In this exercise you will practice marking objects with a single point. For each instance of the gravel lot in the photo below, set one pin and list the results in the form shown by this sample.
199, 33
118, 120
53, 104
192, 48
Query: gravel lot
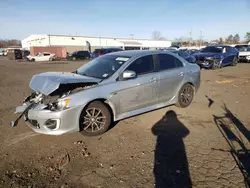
205, 145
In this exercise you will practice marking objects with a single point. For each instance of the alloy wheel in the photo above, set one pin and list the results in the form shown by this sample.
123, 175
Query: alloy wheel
186, 95
94, 120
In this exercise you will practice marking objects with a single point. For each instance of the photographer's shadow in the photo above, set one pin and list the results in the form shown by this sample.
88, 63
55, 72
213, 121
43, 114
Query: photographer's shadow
171, 165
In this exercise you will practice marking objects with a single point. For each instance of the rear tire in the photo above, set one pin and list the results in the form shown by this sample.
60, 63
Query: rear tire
185, 96
95, 119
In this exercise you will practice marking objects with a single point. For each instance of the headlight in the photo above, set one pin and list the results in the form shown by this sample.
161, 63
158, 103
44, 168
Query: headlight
62, 104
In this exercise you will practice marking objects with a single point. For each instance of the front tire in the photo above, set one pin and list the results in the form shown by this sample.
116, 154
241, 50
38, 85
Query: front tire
216, 65
185, 96
235, 61
95, 119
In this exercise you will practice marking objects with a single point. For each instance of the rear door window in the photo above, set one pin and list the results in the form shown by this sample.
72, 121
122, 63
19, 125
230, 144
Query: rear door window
166, 62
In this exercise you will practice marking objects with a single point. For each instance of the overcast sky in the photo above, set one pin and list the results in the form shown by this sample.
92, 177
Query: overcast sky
121, 18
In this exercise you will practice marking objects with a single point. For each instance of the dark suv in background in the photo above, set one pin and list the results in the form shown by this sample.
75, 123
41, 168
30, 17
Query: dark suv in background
79, 55
103, 51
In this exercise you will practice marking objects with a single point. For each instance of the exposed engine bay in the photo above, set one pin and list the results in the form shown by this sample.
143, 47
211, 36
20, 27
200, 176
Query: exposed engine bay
49, 102
63, 91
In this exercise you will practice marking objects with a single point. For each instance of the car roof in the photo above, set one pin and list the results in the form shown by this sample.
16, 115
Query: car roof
131, 53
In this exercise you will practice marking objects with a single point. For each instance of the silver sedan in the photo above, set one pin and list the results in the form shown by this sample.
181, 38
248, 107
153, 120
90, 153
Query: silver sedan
107, 89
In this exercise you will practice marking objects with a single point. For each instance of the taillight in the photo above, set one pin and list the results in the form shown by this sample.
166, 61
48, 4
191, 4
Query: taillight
99, 55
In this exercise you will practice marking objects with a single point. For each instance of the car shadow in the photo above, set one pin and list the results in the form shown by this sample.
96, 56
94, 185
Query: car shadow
170, 164
233, 130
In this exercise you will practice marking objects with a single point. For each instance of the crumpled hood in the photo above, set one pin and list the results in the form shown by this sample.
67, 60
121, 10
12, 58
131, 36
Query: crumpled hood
48, 82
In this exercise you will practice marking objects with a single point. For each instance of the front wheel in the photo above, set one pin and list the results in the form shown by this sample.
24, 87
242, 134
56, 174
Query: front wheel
185, 96
95, 119
235, 61
216, 65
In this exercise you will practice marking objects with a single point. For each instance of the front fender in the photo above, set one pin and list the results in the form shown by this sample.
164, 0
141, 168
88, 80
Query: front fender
83, 98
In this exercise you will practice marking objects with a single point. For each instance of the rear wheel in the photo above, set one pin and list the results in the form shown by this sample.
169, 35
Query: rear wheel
235, 61
95, 119
185, 96
33, 60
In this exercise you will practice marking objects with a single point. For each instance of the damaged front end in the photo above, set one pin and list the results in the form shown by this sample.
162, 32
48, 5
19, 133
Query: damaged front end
43, 108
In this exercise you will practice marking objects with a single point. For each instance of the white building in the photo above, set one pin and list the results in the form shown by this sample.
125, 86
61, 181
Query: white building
72, 43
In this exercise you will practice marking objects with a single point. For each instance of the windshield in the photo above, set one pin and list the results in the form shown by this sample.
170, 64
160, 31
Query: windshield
241, 47
102, 67
212, 49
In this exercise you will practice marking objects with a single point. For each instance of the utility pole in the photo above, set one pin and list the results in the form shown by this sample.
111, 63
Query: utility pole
201, 37
190, 37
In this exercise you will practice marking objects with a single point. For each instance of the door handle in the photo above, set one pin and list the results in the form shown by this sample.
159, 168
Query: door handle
153, 80
181, 73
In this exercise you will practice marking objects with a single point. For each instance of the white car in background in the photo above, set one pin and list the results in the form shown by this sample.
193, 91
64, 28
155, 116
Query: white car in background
244, 52
44, 56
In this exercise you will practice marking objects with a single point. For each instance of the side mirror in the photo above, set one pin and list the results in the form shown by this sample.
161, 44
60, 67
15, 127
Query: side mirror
128, 75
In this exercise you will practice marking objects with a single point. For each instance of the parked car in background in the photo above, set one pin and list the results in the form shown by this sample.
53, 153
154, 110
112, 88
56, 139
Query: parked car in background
1, 52
14, 54
175, 46
244, 52
192, 51
102, 51
109, 88
188, 57
25, 53
5, 52
241, 47
170, 48
79, 55
44, 56
217, 56
182, 53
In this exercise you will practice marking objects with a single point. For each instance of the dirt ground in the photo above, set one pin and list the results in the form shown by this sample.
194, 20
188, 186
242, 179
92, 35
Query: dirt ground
204, 145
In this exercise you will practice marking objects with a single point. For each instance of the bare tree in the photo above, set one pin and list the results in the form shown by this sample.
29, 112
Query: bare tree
229, 39
156, 35
236, 39
247, 37
221, 41
11, 42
